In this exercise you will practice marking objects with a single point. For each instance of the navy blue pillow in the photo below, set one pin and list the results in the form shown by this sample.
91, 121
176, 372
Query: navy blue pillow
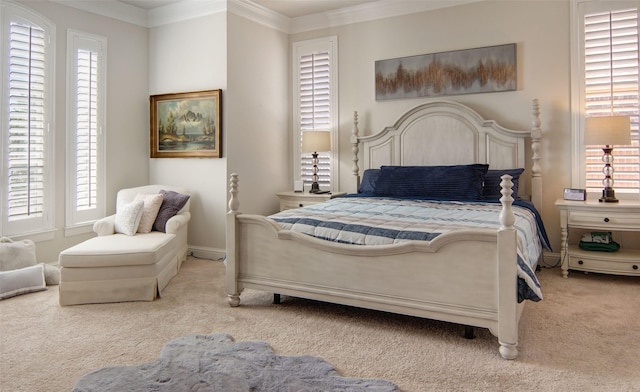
491, 188
369, 178
457, 182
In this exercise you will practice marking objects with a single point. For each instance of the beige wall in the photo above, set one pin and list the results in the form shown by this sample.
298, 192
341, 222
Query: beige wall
258, 107
258, 136
249, 62
539, 28
192, 56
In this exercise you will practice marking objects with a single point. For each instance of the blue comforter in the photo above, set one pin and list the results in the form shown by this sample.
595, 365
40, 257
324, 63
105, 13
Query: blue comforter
377, 221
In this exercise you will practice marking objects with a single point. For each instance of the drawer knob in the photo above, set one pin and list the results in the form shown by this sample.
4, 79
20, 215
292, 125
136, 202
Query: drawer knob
580, 262
606, 219
635, 267
300, 205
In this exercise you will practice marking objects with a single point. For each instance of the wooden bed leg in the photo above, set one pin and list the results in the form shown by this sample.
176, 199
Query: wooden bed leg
276, 298
469, 332
233, 300
508, 350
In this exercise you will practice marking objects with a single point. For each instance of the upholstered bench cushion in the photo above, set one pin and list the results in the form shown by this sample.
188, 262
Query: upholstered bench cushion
118, 250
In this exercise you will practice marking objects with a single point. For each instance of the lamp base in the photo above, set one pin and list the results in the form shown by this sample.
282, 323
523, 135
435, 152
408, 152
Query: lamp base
608, 196
315, 188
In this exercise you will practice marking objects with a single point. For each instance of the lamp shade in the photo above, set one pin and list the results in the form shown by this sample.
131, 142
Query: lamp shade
314, 141
607, 130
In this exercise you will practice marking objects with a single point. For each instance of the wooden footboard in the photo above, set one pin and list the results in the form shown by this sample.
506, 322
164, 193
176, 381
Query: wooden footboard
444, 279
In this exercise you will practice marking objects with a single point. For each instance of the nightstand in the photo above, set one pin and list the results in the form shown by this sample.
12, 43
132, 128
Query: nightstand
622, 219
290, 199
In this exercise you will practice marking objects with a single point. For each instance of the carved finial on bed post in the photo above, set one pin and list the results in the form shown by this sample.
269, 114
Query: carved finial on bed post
234, 202
536, 170
507, 218
354, 149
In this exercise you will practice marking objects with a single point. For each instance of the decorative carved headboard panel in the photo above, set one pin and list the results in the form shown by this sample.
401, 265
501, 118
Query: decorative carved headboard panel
445, 133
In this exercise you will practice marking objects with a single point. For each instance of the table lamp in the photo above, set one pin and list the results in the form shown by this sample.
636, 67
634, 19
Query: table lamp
314, 141
607, 131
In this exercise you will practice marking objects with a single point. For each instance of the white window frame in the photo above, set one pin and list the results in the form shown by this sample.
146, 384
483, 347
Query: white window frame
299, 49
578, 10
40, 226
79, 220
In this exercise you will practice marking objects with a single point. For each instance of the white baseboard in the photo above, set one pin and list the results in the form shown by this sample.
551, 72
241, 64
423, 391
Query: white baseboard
206, 253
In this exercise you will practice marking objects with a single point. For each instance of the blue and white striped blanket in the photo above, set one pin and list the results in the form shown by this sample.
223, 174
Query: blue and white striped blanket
377, 221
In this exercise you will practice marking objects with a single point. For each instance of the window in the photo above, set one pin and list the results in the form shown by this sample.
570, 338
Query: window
315, 107
26, 102
608, 84
85, 131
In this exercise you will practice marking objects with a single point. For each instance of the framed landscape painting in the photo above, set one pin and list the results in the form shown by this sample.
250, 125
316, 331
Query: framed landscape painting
186, 125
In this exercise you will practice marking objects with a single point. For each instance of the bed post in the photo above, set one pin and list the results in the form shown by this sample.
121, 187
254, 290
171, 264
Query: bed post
507, 269
536, 170
355, 149
233, 294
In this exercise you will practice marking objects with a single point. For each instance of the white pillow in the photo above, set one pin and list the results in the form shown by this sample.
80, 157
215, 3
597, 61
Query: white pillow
128, 217
22, 281
16, 254
150, 210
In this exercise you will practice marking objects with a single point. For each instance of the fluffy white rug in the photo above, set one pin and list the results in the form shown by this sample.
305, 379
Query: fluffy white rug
217, 363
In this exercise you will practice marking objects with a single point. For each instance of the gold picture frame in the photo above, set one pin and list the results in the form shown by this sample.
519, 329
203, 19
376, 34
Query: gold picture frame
186, 125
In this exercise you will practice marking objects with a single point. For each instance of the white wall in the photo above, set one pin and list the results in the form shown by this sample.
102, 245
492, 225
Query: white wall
258, 107
127, 118
192, 56
539, 28
250, 63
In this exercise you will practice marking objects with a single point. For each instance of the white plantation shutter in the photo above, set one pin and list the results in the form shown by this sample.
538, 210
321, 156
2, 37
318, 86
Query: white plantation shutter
85, 133
26, 122
315, 100
26, 112
315, 91
611, 87
315, 111
87, 129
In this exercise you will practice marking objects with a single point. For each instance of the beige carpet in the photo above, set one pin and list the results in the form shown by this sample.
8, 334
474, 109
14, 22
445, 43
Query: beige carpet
584, 336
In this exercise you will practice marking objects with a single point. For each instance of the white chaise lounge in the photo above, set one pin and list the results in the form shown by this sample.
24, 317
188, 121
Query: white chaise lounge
116, 267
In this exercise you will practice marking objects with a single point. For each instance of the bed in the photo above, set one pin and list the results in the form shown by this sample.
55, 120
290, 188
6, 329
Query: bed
466, 275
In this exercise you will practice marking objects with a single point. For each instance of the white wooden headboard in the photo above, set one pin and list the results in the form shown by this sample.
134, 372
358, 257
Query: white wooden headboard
449, 133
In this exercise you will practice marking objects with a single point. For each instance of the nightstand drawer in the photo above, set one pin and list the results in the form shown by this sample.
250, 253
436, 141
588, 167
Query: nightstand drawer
609, 266
289, 200
289, 204
604, 220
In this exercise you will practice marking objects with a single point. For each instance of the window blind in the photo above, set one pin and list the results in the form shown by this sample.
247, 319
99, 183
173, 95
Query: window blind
611, 87
26, 133
86, 129
315, 111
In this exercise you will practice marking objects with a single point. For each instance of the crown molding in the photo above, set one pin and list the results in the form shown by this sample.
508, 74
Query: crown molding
359, 13
170, 13
184, 10
189, 9
259, 14
111, 9
368, 12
